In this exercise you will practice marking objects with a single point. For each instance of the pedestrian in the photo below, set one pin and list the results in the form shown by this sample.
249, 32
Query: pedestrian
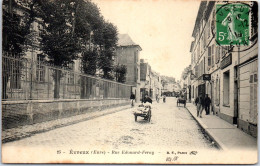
198, 105
147, 99
157, 98
207, 104
202, 105
132, 98
164, 98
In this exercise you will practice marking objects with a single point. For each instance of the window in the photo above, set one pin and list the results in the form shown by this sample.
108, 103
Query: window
196, 71
193, 91
212, 54
200, 68
208, 28
135, 56
40, 70
209, 57
205, 37
226, 88
217, 54
136, 74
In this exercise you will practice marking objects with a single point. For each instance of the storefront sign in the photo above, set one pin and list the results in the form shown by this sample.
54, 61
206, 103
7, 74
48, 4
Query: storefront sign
207, 77
226, 61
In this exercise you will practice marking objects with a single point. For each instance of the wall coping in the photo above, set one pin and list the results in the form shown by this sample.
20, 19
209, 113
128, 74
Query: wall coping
57, 100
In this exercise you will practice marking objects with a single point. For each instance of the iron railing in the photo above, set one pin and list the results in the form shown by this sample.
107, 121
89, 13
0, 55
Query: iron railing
27, 79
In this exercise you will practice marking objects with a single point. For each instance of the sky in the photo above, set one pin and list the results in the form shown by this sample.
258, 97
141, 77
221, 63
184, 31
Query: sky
163, 29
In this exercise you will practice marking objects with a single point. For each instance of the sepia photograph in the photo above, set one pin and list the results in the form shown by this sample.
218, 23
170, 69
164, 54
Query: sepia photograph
129, 82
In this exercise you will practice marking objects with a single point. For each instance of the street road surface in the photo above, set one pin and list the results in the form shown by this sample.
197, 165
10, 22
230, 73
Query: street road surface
170, 127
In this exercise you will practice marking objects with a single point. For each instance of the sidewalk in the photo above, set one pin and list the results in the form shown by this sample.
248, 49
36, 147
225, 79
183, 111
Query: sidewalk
226, 135
29, 130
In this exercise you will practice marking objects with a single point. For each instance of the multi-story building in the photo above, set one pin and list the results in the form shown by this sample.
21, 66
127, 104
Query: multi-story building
186, 83
233, 72
145, 78
127, 53
156, 84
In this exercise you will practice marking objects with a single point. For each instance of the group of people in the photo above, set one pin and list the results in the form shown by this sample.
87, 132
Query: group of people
203, 103
146, 99
158, 98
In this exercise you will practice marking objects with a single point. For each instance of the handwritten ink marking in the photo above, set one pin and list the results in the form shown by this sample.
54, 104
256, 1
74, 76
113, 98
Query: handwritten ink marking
193, 152
169, 159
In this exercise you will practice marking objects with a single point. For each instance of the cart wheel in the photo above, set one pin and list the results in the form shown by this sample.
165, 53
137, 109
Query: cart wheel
135, 117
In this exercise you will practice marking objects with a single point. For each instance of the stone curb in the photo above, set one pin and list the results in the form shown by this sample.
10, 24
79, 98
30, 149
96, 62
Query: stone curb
22, 135
209, 133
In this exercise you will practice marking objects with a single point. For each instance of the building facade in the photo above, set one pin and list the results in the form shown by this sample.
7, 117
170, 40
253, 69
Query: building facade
145, 79
156, 84
233, 71
127, 53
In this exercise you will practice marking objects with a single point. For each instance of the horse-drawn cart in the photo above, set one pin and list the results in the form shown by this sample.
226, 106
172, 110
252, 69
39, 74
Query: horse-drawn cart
181, 101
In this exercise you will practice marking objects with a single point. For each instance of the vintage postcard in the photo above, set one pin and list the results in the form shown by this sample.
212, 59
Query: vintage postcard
129, 81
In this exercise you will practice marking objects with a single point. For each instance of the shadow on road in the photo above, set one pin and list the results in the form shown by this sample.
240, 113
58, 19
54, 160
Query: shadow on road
142, 121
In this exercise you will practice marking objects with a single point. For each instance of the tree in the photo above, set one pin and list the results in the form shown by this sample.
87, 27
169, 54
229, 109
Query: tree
120, 73
89, 61
16, 32
98, 38
107, 53
59, 43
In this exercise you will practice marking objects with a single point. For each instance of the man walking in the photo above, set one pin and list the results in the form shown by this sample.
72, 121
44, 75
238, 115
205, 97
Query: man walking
198, 105
207, 104
202, 105
132, 97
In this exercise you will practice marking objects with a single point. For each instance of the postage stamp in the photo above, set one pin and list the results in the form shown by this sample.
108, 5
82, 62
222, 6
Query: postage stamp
232, 24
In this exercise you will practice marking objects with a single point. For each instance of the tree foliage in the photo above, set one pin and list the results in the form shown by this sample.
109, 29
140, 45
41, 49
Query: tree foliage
69, 29
15, 28
120, 73
58, 41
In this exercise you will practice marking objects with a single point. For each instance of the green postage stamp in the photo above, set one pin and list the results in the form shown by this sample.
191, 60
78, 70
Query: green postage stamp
232, 24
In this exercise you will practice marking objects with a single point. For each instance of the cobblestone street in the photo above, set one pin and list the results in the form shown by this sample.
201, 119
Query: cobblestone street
170, 126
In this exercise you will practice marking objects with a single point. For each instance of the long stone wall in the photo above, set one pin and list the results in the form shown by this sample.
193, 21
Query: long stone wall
19, 113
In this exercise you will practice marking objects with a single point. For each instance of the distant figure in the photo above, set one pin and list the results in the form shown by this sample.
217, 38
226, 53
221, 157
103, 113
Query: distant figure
164, 98
157, 98
200, 105
147, 99
132, 98
207, 104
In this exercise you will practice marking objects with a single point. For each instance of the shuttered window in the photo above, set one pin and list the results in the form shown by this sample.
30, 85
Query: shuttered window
209, 57
212, 55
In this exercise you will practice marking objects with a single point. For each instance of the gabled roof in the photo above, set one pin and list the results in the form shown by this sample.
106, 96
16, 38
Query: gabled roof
125, 40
